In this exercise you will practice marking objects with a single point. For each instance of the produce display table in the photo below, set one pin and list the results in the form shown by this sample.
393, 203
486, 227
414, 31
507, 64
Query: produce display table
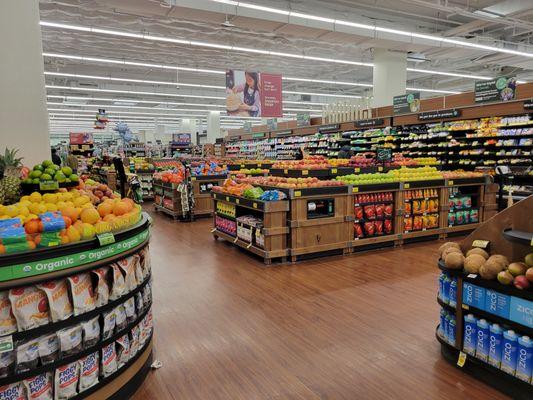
119, 357
168, 199
201, 185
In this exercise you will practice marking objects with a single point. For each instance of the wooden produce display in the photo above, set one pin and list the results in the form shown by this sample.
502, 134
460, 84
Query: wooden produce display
168, 199
267, 239
201, 186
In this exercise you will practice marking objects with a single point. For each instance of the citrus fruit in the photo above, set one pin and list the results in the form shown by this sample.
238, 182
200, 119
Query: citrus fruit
23, 210
11, 211
61, 205
67, 171
120, 208
105, 208
35, 197
102, 227
38, 167
87, 231
81, 200
31, 216
47, 163
25, 203
46, 177
37, 239
68, 221
89, 216
71, 213
73, 234
64, 239
50, 207
31, 244
50, 198
32, 226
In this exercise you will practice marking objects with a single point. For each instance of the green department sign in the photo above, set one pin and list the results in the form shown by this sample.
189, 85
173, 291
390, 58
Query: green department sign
72, 260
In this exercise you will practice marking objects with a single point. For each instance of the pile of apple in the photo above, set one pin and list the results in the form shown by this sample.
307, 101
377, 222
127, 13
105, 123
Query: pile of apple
311, 162
367, 179
461, 174
290, 183
426, 173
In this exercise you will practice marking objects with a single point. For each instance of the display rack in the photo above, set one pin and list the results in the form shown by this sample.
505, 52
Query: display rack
20, 270
202, 185
168, 199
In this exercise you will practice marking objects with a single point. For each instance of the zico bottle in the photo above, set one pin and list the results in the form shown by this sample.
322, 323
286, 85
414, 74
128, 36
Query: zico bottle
453, 292
482, 347
470, 335
509, 352
442, 325
441, 285
524, 364
446, 289
495, 345
451, 330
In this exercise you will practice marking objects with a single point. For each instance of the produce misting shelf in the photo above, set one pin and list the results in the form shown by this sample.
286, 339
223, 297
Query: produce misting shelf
525, 238
486, 373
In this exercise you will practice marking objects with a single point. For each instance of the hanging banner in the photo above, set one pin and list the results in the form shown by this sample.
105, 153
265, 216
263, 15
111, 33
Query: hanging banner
253, 94
498, 89
407, 103
81, 138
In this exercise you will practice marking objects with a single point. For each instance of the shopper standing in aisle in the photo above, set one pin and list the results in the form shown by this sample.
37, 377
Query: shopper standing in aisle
55, 157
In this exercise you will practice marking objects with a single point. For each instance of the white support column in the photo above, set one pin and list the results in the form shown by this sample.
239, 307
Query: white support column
213, 126
23, 112
390, 75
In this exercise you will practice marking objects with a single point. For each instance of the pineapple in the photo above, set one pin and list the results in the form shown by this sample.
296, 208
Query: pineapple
9, 164
9, 190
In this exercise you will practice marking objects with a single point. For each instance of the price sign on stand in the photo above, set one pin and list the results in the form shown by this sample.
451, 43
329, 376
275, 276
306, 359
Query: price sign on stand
384, 154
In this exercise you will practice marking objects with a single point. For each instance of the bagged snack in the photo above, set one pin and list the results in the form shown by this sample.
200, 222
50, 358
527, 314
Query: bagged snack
30, 307
358, 230
387, 226
370, 211
139, 272
39, 387
58, 300
119, 286
8, 323
27, 355
459, 217
66, 381
120, 318
128, 266
147, 293
134, 340
146, 261
417, 207
48, 348
82, 293
109, 324
89, 370
102, 286
123, 350
378, 227
129, 307
407, 224
358, 212
387, 211
139, 303
7, 364
143, 334
474, 215
70, 341
13, 391
109, 360
451, 218
467, 201
91, 332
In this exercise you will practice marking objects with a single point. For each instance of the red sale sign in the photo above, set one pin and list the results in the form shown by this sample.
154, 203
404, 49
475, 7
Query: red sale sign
271, 96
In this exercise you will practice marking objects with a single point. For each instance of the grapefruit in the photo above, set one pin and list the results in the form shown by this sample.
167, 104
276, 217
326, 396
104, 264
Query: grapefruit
87, 231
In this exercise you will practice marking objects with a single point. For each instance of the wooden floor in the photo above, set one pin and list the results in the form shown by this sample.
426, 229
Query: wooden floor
353, 327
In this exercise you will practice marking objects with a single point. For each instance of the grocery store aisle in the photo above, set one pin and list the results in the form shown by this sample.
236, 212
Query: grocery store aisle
355, 327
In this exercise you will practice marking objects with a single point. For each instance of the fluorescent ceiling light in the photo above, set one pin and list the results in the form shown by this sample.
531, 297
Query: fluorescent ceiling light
69, 98
196, 43
324, 94
286, 78
116, 112
432, 90
437, 39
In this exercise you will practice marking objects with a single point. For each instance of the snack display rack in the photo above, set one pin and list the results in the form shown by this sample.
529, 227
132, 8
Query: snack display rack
324, 220
489, 300
102, 361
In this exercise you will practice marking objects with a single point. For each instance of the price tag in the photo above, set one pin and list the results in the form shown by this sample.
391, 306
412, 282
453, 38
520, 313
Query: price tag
255, 205
236, 239
227, 198
357, 170
406, 185
355, 189
450, 183
48, 185
193, 178
466, 306
472, 276
531, 242
106, 238
462, 359
285, 171
224, 166
380, 169
51, 244
297, 193
6, 344
238, 201
305, 172
259, 165
482, 244
333, 170
250, 245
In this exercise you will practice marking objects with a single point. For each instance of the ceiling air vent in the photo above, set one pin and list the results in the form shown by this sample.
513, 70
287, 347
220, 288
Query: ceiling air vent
305, 97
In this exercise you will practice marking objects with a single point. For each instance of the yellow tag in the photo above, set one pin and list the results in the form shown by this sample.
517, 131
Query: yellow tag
214, 229
466, 307
355, 190
224, 166
406, 185
380, 169
285, 171
297, 193
305, 172
357, 170
450, 183
193, 178
227, 198
531, 242
482, 244
259, 165
334, 170
462, 359
237, 201
255, 205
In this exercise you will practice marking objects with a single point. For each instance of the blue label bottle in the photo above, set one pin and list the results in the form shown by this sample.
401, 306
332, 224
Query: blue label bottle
470, 335
453, 292
509, 352
524, 364
495, 345
482, 347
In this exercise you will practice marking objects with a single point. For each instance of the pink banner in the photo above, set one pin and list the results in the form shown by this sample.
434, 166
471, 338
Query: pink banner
81, 138
271, 96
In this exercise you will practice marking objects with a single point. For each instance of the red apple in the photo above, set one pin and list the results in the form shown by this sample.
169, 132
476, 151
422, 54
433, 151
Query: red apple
521, 282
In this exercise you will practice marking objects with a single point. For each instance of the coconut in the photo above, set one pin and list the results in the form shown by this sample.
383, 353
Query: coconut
473, 263
454, 260
501, 259
450, 250
491, 268
447, 245
477, 250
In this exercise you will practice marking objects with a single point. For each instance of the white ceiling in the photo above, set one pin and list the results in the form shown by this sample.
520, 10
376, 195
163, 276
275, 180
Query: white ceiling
507, 23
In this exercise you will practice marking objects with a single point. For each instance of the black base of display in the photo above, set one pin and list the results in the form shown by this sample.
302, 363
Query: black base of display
135, 382
505, 383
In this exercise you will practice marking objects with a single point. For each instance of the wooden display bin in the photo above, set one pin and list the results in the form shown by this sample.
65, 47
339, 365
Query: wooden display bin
202, 193
320, 223
274, 231
167, 199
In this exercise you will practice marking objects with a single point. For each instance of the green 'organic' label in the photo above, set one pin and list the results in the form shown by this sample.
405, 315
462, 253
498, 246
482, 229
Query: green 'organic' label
72, 260
48, 185
106, 238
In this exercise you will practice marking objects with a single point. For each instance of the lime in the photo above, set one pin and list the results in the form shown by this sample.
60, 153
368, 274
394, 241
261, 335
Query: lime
68, 180
67, 171
47, 163
38, 167
74, 178
60, 177
50, 171
35, 181
27, 180
35, 174
55, 167
46, 177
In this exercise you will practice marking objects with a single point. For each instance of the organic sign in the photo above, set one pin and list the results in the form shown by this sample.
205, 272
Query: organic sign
328, 128
498, 89
439, 114
365, 123
303, 119
384, 154
258, 135
407, 103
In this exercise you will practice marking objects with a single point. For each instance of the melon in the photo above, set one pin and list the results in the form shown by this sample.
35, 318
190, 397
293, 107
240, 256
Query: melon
473, 263
454, 260
477, 250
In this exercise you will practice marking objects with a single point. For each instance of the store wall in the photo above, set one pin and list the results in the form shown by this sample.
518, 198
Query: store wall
23, 113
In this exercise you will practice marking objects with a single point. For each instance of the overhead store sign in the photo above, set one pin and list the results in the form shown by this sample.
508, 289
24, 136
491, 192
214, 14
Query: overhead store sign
253, 94
528, 104
439, 114
365, 123
81, 138
498, 89
272, 124
303, 119
331, 128
407, 103
284, 133
181, 138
